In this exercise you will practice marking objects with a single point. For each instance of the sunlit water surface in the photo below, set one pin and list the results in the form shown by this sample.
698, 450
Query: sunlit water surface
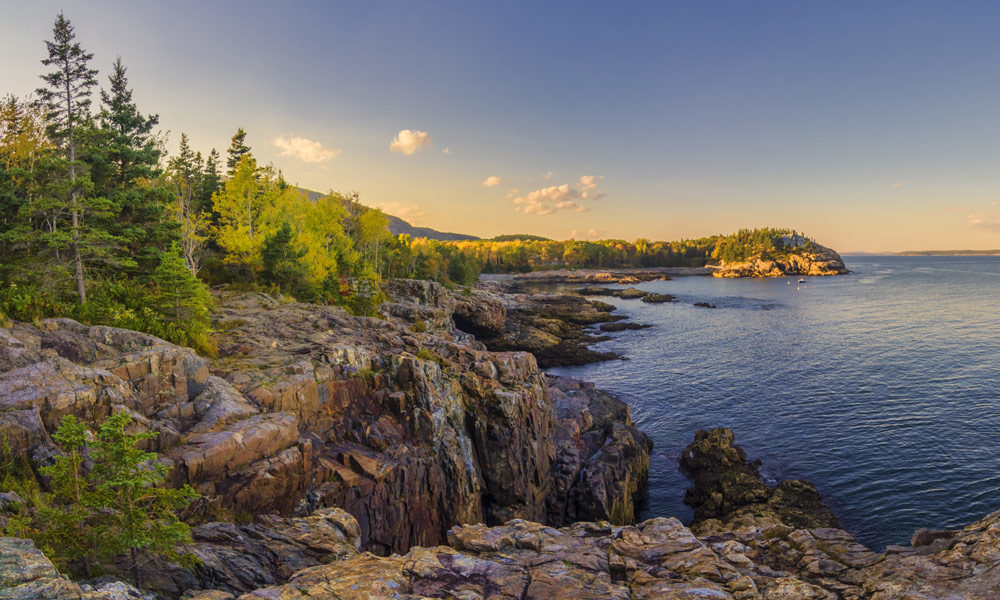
882, 387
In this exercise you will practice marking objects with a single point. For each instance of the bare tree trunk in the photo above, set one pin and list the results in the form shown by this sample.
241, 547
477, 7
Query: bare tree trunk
77, 259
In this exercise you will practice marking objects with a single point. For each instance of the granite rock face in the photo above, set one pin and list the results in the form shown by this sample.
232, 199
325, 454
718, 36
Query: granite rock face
239, 558
410, 430
656, 559
815, 260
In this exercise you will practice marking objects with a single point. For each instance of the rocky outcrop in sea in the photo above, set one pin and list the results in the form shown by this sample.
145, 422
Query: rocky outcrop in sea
811, 260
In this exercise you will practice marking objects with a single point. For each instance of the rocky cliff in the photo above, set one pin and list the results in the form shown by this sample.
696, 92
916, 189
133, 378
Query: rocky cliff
812, 260
407, 423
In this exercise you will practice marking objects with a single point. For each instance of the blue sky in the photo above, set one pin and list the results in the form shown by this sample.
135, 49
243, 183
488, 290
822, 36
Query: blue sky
871, 126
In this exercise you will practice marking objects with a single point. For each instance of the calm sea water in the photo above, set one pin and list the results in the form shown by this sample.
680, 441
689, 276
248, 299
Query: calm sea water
882, 387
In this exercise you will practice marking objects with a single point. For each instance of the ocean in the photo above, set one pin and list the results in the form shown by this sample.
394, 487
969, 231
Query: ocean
882, 386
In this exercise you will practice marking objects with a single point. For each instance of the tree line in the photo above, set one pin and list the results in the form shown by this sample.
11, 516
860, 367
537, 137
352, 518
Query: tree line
523, 253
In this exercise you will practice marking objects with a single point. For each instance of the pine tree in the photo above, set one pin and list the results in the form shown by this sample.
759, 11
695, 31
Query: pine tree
67, 100
237, 149
282, 261
117, 508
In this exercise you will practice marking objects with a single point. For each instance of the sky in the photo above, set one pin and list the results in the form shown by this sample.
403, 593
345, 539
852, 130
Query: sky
870, 126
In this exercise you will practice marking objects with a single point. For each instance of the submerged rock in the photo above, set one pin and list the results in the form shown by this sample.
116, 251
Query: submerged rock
612, 327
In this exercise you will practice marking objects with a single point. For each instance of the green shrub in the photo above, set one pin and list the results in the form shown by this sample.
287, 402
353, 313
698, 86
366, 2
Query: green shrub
25, 302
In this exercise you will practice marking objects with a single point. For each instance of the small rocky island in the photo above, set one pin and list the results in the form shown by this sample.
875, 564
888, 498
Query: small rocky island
809, 260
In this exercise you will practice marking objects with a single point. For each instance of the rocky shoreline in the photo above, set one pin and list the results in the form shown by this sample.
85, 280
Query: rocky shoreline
426, 455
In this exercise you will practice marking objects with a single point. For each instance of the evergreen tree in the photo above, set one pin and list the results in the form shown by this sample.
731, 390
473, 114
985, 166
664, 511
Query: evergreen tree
117, 508
282, 262
237, 149
132, 156
211, 181
131, 147
180, 296
185, 171
67, 100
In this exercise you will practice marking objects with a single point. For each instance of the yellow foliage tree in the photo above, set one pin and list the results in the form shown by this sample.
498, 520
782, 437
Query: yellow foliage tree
249, 208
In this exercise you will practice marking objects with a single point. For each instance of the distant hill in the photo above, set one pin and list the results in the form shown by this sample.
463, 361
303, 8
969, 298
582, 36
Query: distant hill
520, 237
398, 226
950, 253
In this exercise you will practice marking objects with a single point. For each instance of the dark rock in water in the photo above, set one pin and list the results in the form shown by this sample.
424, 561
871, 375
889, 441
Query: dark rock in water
926, 537
630, 293
620, 326
728, 488
653, 298
596, 290
705, 305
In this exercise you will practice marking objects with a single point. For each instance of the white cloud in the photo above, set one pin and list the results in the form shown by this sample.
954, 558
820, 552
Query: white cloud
511, 194
588, 187
491, 181
557, 198
986, 221
403, 211
446, 150
591, 234
409, 141
303, 149
547, 175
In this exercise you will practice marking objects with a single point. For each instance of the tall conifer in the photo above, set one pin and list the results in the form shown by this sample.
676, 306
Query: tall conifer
67, 100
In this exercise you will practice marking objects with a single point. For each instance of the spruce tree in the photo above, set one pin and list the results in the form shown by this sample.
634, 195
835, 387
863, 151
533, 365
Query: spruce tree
115, 505
180, 296
67, 101
237, 149
282, 261
132, 157
211, 181
131, 147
